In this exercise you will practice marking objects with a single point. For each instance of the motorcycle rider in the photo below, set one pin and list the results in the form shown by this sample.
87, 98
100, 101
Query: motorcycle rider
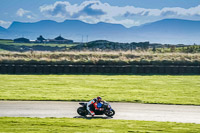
92, 105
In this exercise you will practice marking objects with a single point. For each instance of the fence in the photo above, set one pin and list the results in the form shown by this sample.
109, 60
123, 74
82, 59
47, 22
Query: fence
95, 69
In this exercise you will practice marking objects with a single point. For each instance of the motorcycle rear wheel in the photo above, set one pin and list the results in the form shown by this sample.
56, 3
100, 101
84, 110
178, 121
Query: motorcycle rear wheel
81, 111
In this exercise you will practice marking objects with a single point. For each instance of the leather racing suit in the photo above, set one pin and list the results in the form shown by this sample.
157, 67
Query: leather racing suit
92, 105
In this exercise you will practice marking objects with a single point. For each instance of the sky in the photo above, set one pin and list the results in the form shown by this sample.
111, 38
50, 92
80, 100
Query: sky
126, 12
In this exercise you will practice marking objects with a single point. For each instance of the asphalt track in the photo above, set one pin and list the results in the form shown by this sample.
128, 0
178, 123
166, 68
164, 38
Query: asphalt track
124, 111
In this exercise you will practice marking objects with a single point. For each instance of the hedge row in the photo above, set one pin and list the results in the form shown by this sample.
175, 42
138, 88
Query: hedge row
101, 69
102, 62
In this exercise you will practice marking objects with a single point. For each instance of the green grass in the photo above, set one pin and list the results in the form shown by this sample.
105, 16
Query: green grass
70, 125
121, 88
2, 50
9, 42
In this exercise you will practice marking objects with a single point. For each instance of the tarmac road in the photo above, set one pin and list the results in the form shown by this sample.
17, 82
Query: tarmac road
124, 111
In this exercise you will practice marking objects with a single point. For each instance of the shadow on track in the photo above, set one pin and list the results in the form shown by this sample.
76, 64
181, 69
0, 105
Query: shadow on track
96, 117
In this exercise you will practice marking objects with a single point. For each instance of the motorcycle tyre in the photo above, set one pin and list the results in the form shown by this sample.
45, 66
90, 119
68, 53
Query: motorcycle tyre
82, 109
113, 113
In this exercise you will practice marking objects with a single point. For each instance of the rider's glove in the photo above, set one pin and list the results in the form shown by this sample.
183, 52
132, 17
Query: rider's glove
101, 109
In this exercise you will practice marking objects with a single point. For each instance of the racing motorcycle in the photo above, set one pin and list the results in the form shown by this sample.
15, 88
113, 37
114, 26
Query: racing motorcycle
107, 110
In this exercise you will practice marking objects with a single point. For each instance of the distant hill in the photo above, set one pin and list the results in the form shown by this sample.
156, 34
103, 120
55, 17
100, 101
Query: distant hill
2, 29
3, 33
72, 26
73, 29
163, 31
170, 30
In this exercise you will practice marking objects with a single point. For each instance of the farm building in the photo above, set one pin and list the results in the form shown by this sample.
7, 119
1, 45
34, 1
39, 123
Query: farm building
40, 39
59, 40
21, 40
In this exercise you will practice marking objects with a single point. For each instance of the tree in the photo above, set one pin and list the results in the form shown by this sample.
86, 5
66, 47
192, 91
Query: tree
154, 49
172, 48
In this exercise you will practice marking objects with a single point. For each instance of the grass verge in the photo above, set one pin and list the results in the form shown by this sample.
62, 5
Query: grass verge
162, 89
10, 42
71, 125
100, 58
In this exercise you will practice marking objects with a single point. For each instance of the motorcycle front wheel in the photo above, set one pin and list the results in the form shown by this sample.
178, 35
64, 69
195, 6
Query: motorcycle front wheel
110, 113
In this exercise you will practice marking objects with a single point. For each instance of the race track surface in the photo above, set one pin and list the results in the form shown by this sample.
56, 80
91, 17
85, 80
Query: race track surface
124, 111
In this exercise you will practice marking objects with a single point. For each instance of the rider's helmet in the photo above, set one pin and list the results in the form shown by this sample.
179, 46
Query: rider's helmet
98, 99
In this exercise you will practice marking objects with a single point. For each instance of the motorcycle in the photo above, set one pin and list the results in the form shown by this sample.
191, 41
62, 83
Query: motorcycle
107, 110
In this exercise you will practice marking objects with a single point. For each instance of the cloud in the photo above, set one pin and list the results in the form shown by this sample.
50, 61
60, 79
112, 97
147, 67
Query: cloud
58, 9
88, 10
96, 11
25, 13
65, 9
30, 17
5, 24
21, 12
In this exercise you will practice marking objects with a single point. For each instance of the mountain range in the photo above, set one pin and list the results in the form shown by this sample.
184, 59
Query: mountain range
172, 31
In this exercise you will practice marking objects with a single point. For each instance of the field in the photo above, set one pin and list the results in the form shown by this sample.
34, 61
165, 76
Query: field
162, 89
120, 88
106, 58
92, 125
10, 42
99, 57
